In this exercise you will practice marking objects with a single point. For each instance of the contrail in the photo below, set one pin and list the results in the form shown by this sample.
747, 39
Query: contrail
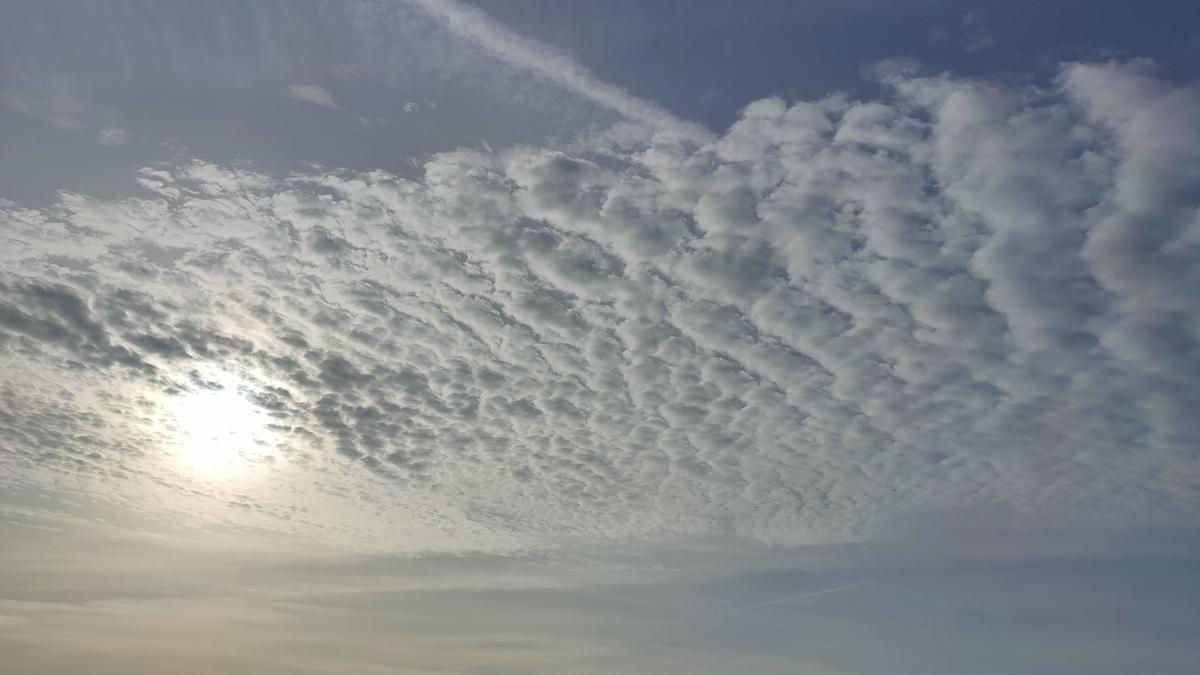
552, 65
808, 595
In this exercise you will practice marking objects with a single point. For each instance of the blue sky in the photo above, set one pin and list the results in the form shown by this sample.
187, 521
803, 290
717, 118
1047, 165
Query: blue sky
614, 337
207, 76
706, 60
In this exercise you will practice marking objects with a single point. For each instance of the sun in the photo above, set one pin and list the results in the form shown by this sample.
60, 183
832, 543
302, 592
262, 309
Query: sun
217, 429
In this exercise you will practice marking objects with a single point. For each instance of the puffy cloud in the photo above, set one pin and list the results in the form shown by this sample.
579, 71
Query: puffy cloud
967, 293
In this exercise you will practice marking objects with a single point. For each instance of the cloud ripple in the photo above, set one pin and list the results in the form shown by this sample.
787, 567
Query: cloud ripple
968, 293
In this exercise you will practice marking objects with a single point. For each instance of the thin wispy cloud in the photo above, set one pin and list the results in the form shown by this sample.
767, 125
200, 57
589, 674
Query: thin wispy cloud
553, 65
312, 93
62, 104
808, 595
112, 136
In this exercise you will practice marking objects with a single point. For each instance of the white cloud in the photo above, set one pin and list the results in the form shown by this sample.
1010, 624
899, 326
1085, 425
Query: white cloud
965, 293
312, 93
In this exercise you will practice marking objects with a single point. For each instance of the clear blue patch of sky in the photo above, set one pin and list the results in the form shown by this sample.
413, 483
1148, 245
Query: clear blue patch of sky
706, 60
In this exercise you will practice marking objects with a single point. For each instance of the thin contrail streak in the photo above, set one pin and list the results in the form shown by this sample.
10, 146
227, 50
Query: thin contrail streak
553, 65
808, 595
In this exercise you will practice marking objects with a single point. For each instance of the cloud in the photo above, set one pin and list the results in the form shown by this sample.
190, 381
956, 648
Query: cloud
977, 35
112, 136
314, 94
973, 35
552, 65
61, 103
963, 293
104, 596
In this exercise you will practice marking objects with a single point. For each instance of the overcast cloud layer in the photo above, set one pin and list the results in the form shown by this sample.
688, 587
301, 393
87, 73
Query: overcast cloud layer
964, 294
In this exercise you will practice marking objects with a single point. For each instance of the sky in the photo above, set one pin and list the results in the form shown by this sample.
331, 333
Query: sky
421, 336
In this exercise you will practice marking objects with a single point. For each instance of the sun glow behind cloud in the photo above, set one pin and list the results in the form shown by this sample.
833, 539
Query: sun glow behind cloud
216, 429
548, 351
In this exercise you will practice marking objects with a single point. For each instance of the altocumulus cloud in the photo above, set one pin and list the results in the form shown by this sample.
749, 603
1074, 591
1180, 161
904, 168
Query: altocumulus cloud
967, 293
